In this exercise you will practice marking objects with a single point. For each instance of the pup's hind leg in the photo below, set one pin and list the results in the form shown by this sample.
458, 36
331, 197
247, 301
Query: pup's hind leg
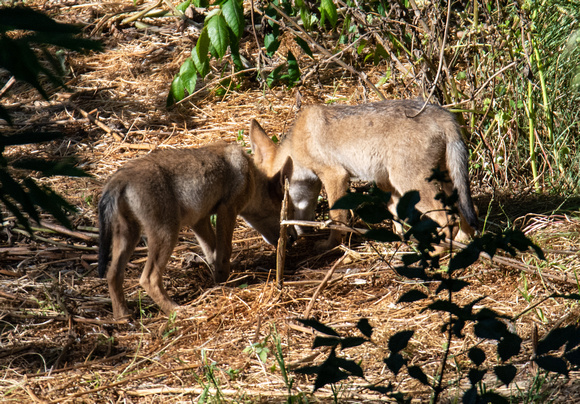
126, 235
161, 240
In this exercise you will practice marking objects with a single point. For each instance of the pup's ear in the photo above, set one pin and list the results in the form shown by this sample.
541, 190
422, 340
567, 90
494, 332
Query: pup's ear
263, 148
286, 171
276, 183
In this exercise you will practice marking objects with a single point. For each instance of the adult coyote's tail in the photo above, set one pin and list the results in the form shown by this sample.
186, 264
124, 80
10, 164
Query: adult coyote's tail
107, 209
457, 157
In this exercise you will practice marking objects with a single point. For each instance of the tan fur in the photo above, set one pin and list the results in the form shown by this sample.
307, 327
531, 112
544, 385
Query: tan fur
167, 189
376, 142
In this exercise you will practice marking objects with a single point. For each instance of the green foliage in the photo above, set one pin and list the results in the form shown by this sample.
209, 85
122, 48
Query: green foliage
558, 352
223, 28
512, 69
27, 56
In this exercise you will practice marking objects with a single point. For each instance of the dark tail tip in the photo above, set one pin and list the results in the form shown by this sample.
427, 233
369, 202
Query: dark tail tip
468, 211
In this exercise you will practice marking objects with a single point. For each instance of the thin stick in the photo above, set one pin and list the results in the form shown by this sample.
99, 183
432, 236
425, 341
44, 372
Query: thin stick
67, 232
281, 248
322, 286
97, 122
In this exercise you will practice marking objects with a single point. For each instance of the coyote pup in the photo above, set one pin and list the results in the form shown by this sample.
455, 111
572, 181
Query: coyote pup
378, 142
167, 189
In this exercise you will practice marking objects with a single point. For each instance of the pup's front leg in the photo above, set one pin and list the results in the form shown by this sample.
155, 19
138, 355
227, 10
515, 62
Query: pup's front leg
226, 221
205, 235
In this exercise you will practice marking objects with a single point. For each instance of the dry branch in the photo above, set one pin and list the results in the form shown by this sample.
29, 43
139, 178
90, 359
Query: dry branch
322, 285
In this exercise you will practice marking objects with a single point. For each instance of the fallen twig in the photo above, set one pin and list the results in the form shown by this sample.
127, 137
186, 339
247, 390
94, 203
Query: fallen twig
322, 286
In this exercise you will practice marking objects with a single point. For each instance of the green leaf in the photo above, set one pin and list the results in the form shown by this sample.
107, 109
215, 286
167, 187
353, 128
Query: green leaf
217, 29
361, 46
183, 6
234, 15
274, 76
304, 45
177, 88
271, 43
199, 54
236, 57
293, 69
379, 53
328, 11
188, 75
307, 18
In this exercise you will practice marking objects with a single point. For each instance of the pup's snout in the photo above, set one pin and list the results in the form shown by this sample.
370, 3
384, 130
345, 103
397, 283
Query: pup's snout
292, 235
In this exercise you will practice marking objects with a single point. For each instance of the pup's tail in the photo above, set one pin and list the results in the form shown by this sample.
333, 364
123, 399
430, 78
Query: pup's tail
457, 157
107, 209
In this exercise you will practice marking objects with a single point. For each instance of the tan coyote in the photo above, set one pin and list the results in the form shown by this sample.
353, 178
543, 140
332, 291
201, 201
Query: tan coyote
383, 142
167, 189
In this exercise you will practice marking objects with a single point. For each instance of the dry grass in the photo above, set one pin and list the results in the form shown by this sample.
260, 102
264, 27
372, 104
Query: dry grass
58, 342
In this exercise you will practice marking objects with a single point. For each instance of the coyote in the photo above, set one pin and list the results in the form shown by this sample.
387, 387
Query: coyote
167, 189
383, 142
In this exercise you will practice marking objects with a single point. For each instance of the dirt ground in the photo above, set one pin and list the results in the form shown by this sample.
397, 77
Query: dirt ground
59, 342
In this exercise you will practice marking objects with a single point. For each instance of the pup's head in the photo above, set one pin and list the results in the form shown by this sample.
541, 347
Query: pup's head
304, 184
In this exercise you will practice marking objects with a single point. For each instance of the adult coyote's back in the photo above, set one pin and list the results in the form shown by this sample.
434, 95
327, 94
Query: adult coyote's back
386, 142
